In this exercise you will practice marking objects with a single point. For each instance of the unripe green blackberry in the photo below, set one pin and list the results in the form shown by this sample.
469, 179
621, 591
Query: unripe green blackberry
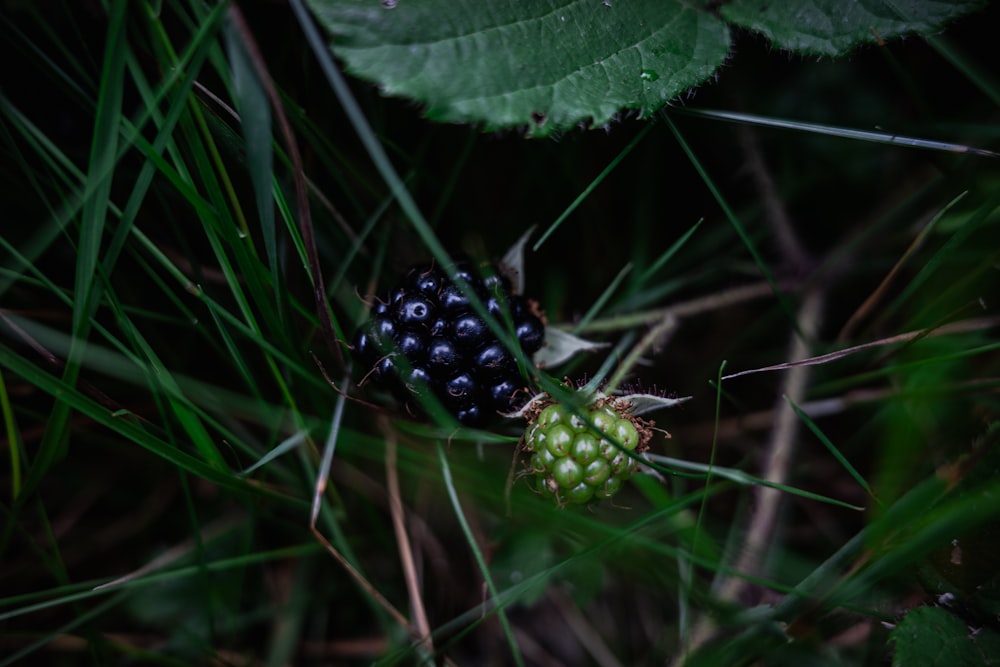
577, 462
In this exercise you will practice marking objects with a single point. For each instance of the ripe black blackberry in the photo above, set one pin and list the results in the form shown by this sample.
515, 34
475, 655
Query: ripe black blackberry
425, 336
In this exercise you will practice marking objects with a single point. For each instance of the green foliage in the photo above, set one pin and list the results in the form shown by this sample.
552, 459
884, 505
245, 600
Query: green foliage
181, 484
832, 28
551, 68
935, 636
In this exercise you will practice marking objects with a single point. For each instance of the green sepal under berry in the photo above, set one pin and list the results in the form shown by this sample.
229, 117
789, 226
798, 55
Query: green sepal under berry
581, 455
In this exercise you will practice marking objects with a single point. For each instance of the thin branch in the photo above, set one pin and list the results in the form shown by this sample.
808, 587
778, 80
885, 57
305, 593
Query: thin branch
684, 309
777, 217
759, 534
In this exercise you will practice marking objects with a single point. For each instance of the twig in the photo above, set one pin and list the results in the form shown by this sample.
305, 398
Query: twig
779, 454
776, 215
684, 308
322, 478
653, 338
403, 540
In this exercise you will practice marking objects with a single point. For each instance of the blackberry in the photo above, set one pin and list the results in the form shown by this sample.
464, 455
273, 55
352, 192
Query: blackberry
577, 462
425, 336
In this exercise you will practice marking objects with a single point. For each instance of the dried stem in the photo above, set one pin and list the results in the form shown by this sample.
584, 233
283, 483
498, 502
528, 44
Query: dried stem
403, 540
760, 533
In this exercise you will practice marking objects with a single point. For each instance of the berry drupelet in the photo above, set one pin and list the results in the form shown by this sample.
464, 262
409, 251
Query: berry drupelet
576, 460
426, 336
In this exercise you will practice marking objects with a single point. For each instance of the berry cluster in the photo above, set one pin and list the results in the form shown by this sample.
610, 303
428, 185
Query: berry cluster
426, 337
575, 463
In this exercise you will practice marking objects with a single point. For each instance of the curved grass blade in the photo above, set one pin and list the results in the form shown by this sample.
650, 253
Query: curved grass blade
840, 132
72, 399
93, 216
478, 554
832, 449
255, 121
593, 185
741, 478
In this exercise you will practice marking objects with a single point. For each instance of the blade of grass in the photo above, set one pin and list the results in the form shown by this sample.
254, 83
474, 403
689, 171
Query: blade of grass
840, 132
181, 406
685, 641
282, 448
73, 399
95, 207
879, 292
668, 253
103, 151
602, 300
330, 326
977, 220
751, 247
79, 619
14, 442
255, 121
742, 478
478, 555
841, 459
71, 593
593, 185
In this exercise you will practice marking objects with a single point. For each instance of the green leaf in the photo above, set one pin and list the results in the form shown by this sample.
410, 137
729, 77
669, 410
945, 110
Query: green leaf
551, 66
548, 66
834, 27
934, 636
